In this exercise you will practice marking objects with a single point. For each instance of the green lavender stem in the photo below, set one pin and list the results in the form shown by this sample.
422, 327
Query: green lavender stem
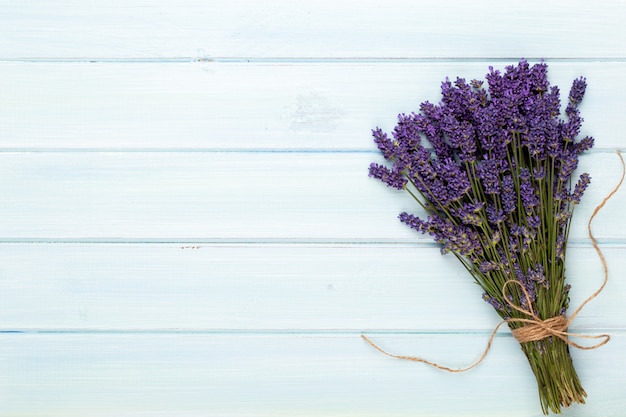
557, 381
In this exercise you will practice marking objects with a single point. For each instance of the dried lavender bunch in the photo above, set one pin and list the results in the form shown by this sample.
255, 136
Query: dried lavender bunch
496, 182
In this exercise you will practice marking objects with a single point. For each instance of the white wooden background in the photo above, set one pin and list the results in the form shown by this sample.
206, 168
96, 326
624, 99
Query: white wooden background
187, 227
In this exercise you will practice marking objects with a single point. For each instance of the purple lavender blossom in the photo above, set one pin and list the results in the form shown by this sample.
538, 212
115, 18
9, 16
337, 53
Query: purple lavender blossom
572, 127
462, 136
539, 173
496, 237
568, 164
488, 266
454, 238
393, 178
529, 196
508, 196
584, 144
407, 131
580, 188
495, 215
537, 274
497, 305
468, 213
560, 247
429, 124
493, 165
577, 91
534, 221
488, 173
456, 181
414, 222
385, 145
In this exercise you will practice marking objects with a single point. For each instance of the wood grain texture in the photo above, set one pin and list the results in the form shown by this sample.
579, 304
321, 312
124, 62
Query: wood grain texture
187, 226
249, 196
258, 287
317, 29
282, 375
236, 106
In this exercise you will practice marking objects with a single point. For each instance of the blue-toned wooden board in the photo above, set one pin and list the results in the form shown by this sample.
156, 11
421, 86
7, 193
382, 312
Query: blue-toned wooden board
256, 106
187, 227
244, 29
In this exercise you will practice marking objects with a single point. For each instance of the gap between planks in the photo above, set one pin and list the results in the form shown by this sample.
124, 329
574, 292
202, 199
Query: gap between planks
301, 60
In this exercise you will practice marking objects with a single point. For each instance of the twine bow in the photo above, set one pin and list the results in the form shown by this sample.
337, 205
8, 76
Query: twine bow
534, 328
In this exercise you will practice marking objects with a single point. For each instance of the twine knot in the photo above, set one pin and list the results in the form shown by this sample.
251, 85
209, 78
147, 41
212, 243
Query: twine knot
535, 329
540, 330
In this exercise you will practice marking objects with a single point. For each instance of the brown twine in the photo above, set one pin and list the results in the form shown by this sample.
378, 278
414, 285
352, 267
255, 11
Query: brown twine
534, 328
534, 332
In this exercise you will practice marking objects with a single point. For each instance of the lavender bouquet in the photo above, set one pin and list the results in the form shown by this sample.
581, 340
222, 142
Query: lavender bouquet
496, 182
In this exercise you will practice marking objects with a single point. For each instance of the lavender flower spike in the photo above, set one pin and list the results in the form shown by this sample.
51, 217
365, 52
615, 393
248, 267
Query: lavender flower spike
578, 90
393, 178
580, 188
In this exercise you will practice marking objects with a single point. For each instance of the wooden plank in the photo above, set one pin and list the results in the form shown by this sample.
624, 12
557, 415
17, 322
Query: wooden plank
133, 375
304, 196
336, 29
270, 286
251, 106
185, 232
